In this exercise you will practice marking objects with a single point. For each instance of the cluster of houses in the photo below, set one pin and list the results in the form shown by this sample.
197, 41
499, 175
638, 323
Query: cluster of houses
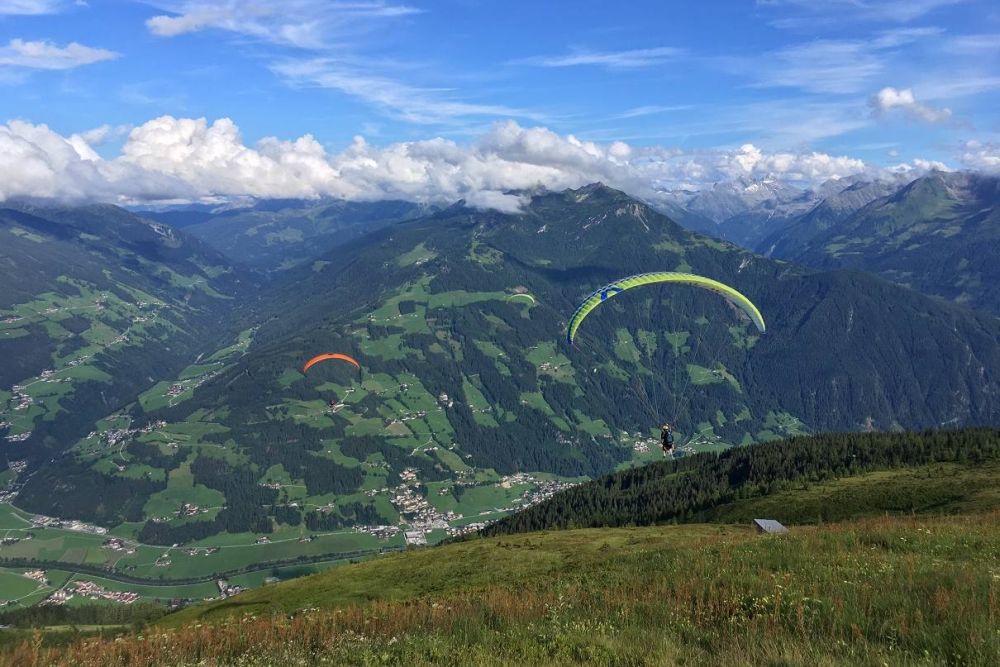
641, 444
201, 551
89, 589
467, 529
79, 360
179, 388
118, 544
41, 521
116, 436
381, 532
190, 509
37, 575
226, 589
549, 367
419, 515
543, 490
21, 400
409, 416
513, 480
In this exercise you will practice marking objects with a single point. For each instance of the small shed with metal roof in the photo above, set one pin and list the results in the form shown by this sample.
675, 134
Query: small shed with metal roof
769, 526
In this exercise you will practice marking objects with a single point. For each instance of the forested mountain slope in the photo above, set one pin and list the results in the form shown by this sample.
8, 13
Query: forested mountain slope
709, 487
276, 234
97, 304
466, 385
939, 234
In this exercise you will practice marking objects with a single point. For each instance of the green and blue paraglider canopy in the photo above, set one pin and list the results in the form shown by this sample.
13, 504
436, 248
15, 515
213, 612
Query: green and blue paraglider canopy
611, 289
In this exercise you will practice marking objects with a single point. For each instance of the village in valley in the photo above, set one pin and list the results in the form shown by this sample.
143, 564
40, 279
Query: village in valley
425, 511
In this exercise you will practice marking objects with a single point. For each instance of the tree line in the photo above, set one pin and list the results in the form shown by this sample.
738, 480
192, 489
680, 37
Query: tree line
687, 489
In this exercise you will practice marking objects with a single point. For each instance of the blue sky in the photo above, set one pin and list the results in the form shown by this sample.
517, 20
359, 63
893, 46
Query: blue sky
886, 82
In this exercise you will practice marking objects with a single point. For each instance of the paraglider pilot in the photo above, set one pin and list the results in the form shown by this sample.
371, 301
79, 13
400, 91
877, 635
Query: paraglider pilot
667, 438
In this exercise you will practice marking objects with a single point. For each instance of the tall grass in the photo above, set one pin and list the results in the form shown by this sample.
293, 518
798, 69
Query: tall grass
878, 591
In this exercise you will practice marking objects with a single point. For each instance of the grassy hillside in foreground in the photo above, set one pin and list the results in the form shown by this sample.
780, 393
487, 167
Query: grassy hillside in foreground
876, 591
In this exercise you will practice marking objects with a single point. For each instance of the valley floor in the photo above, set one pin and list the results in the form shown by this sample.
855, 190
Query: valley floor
892, 590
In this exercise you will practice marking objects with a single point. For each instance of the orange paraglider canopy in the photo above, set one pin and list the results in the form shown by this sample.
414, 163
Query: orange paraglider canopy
328, 356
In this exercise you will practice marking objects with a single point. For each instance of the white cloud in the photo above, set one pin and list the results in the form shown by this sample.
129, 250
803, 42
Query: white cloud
959, 84
634, 58
30, 7
46, 55
823, 66
890, 99
394, 98
36, 162
495, 200
981, 156
328, 31
103, 134
887, 39
309, 24
811, 167
182, 158
836, 11
651, 110
987, 44
214, 159
837, 66
916, 167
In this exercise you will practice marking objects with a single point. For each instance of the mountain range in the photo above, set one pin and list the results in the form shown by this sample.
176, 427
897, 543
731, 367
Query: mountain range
278, 234
748, 211
465, 386
96, 304
939, 234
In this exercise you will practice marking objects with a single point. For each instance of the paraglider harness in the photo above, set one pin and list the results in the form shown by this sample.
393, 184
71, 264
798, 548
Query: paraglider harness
667, 438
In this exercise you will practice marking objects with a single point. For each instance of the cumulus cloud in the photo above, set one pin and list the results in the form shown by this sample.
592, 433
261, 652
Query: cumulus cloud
214, 157
496, 201
918, 167
981, 156
808, 167
36, 162
890, 99
46, 55
171, 158
104, 133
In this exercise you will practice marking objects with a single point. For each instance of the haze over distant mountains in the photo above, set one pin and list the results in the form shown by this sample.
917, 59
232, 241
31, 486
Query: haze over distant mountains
746, 211
939, 234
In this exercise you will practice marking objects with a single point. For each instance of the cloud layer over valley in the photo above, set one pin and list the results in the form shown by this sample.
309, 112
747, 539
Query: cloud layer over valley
185, 159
